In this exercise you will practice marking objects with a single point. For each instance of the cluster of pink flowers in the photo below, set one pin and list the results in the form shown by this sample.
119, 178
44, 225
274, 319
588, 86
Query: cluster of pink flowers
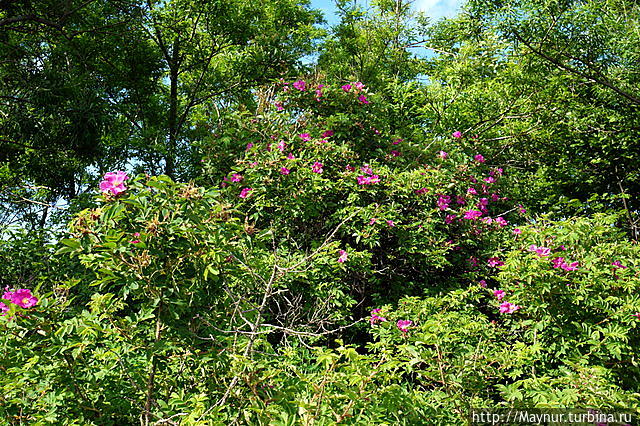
317, 167
21, 297
540, 251
343, 256
113, 182
559, 262
368, 178
443, 201
508, 308
300, 85
356, 88
305, 137
505, 307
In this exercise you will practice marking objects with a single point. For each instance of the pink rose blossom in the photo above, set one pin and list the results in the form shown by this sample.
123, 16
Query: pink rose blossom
618, 264
317, 167
391, 223
501, 221
443, 154
517, 231
21, 297
457, 134
305, 137
375, 318
343, 256
472, 191
346, 87
300, 85
366, 169
495, 262
508, 308
540, 251
236, 177
284, 171
359, 86
479, 158
245, 192
570, 266
113, 182
363, 99
403, 325
499, 294
472, 214
443, 202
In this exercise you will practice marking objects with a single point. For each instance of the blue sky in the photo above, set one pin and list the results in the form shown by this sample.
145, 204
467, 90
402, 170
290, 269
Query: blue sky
433, 8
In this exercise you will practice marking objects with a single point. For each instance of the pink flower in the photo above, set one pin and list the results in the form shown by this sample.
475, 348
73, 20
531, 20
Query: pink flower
279, 106
570, 266
3, 308
21, 297
359, 86
135, 240
245, 192
367, 180
457, 134
495, 262
501, 222
499, 294
540, 251
366, 169
490, 179
395, 153
397, 141
236, 177
403, 325
461, 200
443, 202
618, 264
346, 87
284, 171
316, 167
291, 156
305, 137
375, 318
517, 231
421, 191
249, 146
391, 223
449, 218
372, 221
281, 146
487, 220
113, 182
327, 133
521, 209
350, 168
300, 85
472, 214
472, 191
363, 99
482, 283
557, 262
479, 158
508, 308
443, 154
